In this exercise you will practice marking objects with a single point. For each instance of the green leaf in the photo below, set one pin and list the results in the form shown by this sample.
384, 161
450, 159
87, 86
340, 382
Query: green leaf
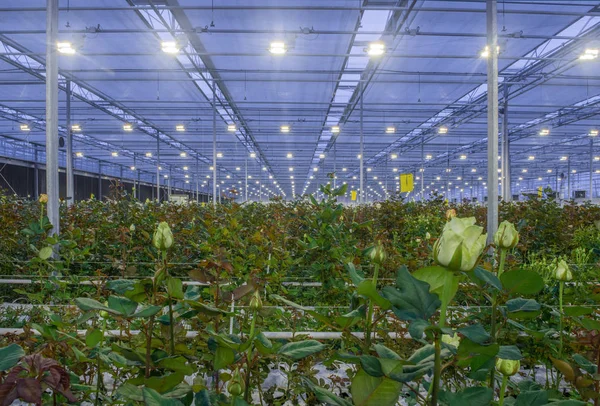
367, 288
417, 328
372, 391
511, 352
371, 365
385, 352
574, 311
476, 333
532, 398
486, 277
441, 281
206, 309
45, 253
301, 349
164, 383
354, 275
87, 304
223, 357
590, 324
120, 286
522, 282
132, 392
475, 355
175, 288
153, 398
93, 337
10, 356
410, 298
474, 396
177, 364
323, 319
350, 319
122, 305
325, 396
263, 344
147, 311
586, 364
522, 308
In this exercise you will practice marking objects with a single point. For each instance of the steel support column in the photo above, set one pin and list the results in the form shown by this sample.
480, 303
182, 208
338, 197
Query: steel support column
52, 115
591, 169
492, 130
157, 167
70, 176
99, 181
506, 181
197, 180
36, 175
214, 106
568, 178
362, 193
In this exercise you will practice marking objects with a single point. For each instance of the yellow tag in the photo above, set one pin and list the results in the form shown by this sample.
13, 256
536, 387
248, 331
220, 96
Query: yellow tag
353, 195
540, 191
407, 183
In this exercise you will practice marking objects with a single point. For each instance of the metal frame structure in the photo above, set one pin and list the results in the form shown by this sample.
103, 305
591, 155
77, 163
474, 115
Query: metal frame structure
389, 108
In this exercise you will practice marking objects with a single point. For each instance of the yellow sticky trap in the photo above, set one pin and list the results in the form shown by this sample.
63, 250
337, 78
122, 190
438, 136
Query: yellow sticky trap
540, 191
353, 195
407, 183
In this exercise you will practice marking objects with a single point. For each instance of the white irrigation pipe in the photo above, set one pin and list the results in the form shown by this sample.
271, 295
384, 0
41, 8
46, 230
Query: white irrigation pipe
273, 335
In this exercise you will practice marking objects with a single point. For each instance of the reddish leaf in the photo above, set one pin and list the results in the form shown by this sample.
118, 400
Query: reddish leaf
29, 390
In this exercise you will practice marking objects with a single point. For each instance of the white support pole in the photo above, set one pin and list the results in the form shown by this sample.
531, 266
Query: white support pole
506, 180
70, 175
52, 115
197, 180
157, 167
362, 192
246, 182
214, 105
492, 93
591, 169
568, 178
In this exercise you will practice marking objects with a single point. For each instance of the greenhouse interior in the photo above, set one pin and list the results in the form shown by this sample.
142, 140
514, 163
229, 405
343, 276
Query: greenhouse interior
300, 202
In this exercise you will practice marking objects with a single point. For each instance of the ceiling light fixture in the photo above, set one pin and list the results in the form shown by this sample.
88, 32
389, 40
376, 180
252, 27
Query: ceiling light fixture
115, 154
335, 129
169, 47
65, 47
390, 130
589, 54
148, 154
25, 127
285, 128
376, 48
79, 154
75, 127
486, 51
180, 127
443, 130
231, 128
593, 133
277, 48
127, 127
544, 131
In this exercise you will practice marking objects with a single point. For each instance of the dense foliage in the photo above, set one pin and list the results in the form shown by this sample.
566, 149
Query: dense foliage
165, 304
